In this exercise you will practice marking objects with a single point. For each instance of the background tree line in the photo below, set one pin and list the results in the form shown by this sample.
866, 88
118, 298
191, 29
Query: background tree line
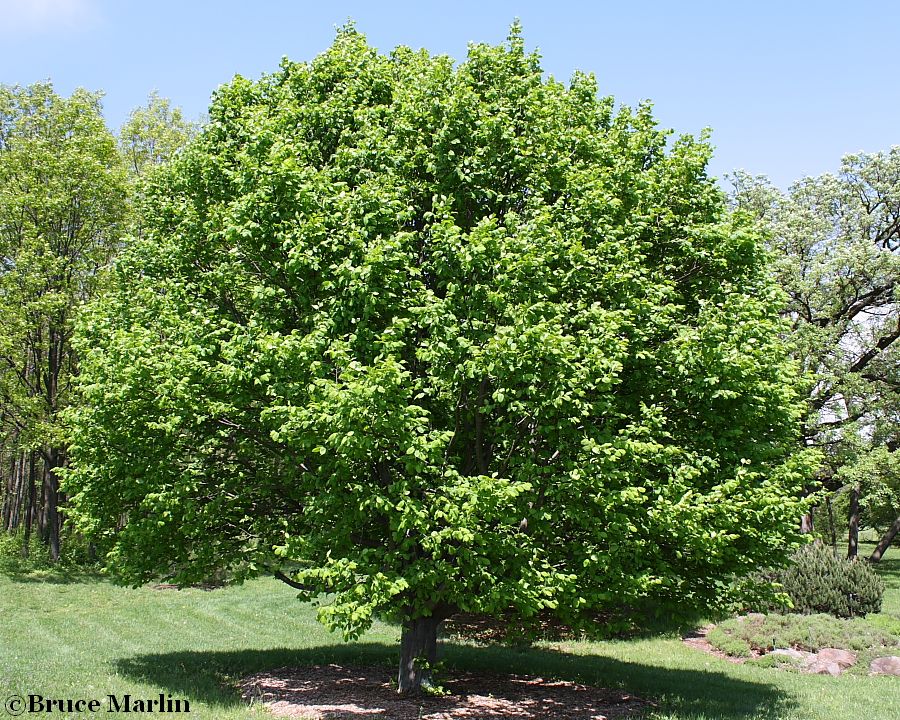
67, 187
67, 191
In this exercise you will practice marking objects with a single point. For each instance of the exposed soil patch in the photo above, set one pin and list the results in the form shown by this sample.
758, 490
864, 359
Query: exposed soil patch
352, 693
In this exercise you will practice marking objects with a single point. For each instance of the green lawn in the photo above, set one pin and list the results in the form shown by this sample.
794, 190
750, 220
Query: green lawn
85, 638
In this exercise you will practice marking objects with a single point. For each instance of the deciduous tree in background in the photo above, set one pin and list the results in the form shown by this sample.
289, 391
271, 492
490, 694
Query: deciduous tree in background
835, 241
435, 339
64, 208
153, 134
62, 202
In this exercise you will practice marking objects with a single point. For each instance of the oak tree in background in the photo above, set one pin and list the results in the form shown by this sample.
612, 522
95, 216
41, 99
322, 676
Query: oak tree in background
835, 241
433, 338
62, 200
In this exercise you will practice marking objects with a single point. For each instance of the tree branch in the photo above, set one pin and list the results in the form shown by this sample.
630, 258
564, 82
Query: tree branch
293, 583
480, 460
883, 343
851, 309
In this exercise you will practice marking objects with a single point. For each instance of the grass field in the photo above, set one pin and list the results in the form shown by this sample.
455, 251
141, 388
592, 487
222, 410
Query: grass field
81, 637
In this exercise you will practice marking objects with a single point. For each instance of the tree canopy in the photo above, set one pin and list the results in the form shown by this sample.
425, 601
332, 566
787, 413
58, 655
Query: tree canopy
433, 338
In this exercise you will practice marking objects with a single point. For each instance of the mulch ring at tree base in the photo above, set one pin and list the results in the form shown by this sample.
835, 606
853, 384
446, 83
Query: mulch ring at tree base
335, 692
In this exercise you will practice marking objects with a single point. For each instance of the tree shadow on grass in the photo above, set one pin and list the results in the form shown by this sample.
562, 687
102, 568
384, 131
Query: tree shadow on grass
889, 570
211, 676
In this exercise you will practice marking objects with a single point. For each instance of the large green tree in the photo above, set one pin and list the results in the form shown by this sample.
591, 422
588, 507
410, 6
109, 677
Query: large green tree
62, 203
434, 338
835, 243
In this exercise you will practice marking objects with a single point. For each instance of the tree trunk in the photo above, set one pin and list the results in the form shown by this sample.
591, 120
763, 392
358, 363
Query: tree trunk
806, 523
418, 654
54, 455
8, 490
29, 506
831, 524
885, 542
42, 506
853, 534
18, 494
53, 519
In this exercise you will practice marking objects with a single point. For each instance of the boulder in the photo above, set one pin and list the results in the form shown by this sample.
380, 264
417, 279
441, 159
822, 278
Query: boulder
823, 667
791, 653
844, 658
889, 665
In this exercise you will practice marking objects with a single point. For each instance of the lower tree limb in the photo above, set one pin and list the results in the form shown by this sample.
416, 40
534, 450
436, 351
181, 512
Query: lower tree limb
418, 654
885, 542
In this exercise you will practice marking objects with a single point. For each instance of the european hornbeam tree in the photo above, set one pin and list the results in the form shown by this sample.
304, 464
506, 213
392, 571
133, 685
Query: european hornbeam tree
433, 338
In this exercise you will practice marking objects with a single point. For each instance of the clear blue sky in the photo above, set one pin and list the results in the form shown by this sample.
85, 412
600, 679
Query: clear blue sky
787, 87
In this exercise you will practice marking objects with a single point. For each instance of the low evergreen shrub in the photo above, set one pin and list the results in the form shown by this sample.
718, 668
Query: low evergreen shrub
818, 581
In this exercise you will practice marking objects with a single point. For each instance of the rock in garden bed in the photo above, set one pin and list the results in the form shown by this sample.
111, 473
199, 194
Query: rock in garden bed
885, 666
798, 641
335, 692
